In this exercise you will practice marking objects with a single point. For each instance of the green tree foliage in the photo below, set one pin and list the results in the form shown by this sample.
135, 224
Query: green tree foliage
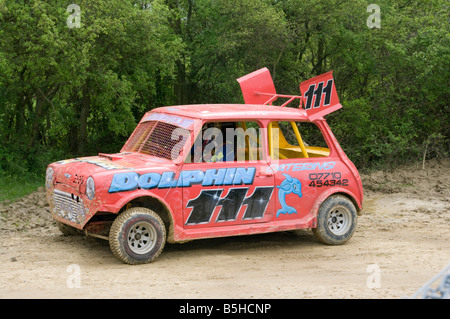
392, 80
228, 39
71, 91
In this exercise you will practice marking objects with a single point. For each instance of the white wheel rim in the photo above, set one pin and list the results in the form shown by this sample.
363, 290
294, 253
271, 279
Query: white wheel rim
142, 237
339, 220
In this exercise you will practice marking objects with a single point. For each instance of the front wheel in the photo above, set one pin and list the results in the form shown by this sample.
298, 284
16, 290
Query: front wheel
137, 236
336, 220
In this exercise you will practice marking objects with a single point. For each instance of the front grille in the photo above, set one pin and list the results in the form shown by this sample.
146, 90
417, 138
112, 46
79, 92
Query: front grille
69, 207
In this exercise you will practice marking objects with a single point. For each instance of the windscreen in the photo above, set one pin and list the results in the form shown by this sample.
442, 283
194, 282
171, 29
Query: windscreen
157, 138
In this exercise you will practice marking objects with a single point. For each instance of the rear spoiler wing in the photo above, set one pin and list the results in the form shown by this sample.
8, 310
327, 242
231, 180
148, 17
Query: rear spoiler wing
319, 96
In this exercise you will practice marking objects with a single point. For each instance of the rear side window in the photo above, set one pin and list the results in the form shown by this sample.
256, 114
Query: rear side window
291, 139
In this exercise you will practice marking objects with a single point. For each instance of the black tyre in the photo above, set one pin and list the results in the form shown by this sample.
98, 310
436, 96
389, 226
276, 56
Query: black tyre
336, 220
137, 236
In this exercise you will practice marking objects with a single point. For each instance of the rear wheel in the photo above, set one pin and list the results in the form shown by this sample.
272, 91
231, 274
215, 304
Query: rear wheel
336, 220
137, 236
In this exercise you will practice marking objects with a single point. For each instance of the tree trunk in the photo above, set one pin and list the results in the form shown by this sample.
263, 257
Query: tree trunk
84, 115
181, 86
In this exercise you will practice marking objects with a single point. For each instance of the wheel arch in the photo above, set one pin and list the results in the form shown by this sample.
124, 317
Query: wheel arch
352, 199
156, 204
337, 191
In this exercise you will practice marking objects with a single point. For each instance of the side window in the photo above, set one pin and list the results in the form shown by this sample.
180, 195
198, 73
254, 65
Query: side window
227, 141
290, 139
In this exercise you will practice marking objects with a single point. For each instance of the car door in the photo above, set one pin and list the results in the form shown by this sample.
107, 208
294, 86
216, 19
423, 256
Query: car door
225, 191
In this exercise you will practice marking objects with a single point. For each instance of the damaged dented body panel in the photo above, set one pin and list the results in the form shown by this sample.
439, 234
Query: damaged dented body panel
202, 171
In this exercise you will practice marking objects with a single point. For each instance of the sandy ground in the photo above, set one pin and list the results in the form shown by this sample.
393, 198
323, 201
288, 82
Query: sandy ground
402, 241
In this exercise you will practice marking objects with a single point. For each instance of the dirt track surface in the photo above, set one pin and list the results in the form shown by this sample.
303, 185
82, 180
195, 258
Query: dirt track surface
402, 241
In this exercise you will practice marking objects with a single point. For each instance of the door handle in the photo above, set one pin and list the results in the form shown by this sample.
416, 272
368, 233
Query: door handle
264, 174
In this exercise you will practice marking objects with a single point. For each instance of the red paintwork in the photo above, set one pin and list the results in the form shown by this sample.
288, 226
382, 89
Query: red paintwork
257, 86
70, 177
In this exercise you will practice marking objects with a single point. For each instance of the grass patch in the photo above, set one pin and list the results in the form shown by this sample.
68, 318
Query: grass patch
13, 188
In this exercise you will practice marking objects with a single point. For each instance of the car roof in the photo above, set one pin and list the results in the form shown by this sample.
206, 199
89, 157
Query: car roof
234, 111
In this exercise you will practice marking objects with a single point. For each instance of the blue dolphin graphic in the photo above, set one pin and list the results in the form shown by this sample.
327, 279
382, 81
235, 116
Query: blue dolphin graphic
289, 185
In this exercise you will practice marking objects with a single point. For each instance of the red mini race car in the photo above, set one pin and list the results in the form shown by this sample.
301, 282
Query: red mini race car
202, 171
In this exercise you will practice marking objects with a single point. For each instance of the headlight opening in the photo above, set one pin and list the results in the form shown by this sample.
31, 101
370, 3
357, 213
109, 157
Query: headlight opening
49, 177
90, 188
